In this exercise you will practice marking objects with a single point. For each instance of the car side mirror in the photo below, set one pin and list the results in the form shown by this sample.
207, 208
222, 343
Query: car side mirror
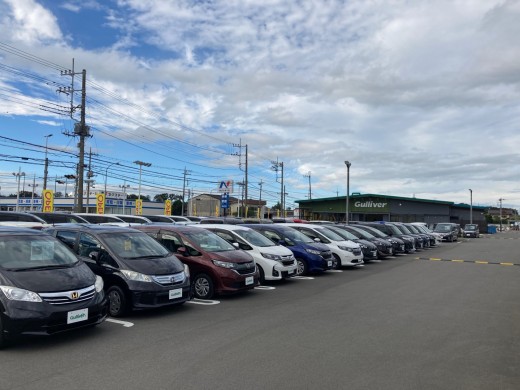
235, 244
182, 251
282, 241
94, 255
316, 239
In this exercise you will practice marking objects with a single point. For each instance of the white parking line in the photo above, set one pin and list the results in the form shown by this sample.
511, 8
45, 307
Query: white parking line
126, 324
303, 277
265, 288
334, 270
206, 302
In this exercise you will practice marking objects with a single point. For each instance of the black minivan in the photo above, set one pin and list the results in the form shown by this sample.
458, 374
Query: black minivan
44, 287
138, 272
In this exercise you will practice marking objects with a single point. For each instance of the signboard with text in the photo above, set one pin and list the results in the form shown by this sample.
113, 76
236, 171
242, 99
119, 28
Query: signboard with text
100, 203
167, 207
138, 207
48, 201
225, 186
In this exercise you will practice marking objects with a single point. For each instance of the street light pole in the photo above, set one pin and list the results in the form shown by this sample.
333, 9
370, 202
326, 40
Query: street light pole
470, 206
348, 164
140, 163
106, 176
46, 170
124, 187
18, 175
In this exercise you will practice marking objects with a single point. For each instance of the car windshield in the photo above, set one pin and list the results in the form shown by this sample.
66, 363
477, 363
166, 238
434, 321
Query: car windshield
360, 233
330, 234
442, 228
344, 233
374, 231
19, 252
209, 241
470, 227
296, 236
133, 245
402, 229
254, 238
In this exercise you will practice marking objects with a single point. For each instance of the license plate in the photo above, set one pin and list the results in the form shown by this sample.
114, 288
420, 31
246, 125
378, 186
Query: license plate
291, 271
77, 316
250, 280
329, 263
177, 293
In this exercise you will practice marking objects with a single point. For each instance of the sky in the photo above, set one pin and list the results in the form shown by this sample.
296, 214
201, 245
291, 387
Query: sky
422, 97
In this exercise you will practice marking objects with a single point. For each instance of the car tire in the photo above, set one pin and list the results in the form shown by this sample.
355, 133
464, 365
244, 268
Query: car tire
301, 267
336, 261
117, 301
3, 339
262, 274
203, 287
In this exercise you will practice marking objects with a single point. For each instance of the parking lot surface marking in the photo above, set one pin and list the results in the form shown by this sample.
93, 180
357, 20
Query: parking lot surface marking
466, 261
334, 270
126, 324
265, 288
206, 302
303, 277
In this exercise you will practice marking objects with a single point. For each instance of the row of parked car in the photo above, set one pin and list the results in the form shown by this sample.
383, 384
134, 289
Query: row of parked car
73, 274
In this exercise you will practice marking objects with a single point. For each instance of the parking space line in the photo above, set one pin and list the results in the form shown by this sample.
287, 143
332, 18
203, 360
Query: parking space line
334, 270
205, 302
265, 288
126, 324
468, 261
303, 277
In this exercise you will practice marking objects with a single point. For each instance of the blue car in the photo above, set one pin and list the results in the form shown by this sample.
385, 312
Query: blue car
311, 257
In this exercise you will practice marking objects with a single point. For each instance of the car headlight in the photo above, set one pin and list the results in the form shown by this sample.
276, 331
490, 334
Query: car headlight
271, 257
224, 264
99, 284
345, 248
313, 251
19, 294
187, 270
136, 276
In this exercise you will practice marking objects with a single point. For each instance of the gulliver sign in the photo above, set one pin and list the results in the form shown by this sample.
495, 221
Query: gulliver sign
370, 205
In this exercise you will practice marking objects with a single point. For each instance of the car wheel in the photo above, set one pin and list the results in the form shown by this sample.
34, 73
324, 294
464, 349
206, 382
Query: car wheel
117, 302
301, 267
3, 339
262, 274
203, 287
336, 262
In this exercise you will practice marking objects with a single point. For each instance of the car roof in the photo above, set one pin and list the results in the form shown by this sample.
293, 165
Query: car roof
172, 227
225, 226
94, 228
7, 230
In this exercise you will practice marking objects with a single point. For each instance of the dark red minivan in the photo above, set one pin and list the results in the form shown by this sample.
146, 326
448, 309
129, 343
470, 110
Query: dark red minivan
216, 267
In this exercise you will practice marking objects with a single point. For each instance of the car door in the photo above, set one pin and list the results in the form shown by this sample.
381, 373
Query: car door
105, 265
190, 256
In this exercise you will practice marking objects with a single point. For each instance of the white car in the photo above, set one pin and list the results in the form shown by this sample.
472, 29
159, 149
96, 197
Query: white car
274, 262
345, 253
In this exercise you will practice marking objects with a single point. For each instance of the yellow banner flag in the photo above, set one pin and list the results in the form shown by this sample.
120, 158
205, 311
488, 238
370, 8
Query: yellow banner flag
167, 207
138, 207
100, 203
48, 201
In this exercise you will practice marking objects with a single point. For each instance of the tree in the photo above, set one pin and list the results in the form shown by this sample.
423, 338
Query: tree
144, 198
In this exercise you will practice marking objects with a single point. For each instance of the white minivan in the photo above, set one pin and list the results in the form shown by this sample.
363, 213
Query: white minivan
274, 262
345, 252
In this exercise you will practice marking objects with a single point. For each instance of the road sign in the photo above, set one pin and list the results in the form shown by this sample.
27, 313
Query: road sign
224, 201
225, 186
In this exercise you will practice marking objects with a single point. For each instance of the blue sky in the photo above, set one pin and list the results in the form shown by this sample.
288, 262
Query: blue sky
422, 97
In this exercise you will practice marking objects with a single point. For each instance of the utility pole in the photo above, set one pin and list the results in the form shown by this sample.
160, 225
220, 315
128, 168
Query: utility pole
46, 170
89, 179
308, 175
245, 183
278, 166
500, 200
34, 185
80, 129
186, 172
260, 201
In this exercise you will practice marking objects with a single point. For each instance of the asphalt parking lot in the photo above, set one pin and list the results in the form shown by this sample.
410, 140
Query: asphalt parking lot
443, 318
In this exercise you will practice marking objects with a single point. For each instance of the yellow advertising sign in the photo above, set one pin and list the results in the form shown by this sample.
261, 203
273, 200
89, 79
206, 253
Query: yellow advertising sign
48, 201
167, 207
100, 203
138, 207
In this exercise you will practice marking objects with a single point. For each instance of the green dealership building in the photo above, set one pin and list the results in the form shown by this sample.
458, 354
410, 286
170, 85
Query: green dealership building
375, 207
